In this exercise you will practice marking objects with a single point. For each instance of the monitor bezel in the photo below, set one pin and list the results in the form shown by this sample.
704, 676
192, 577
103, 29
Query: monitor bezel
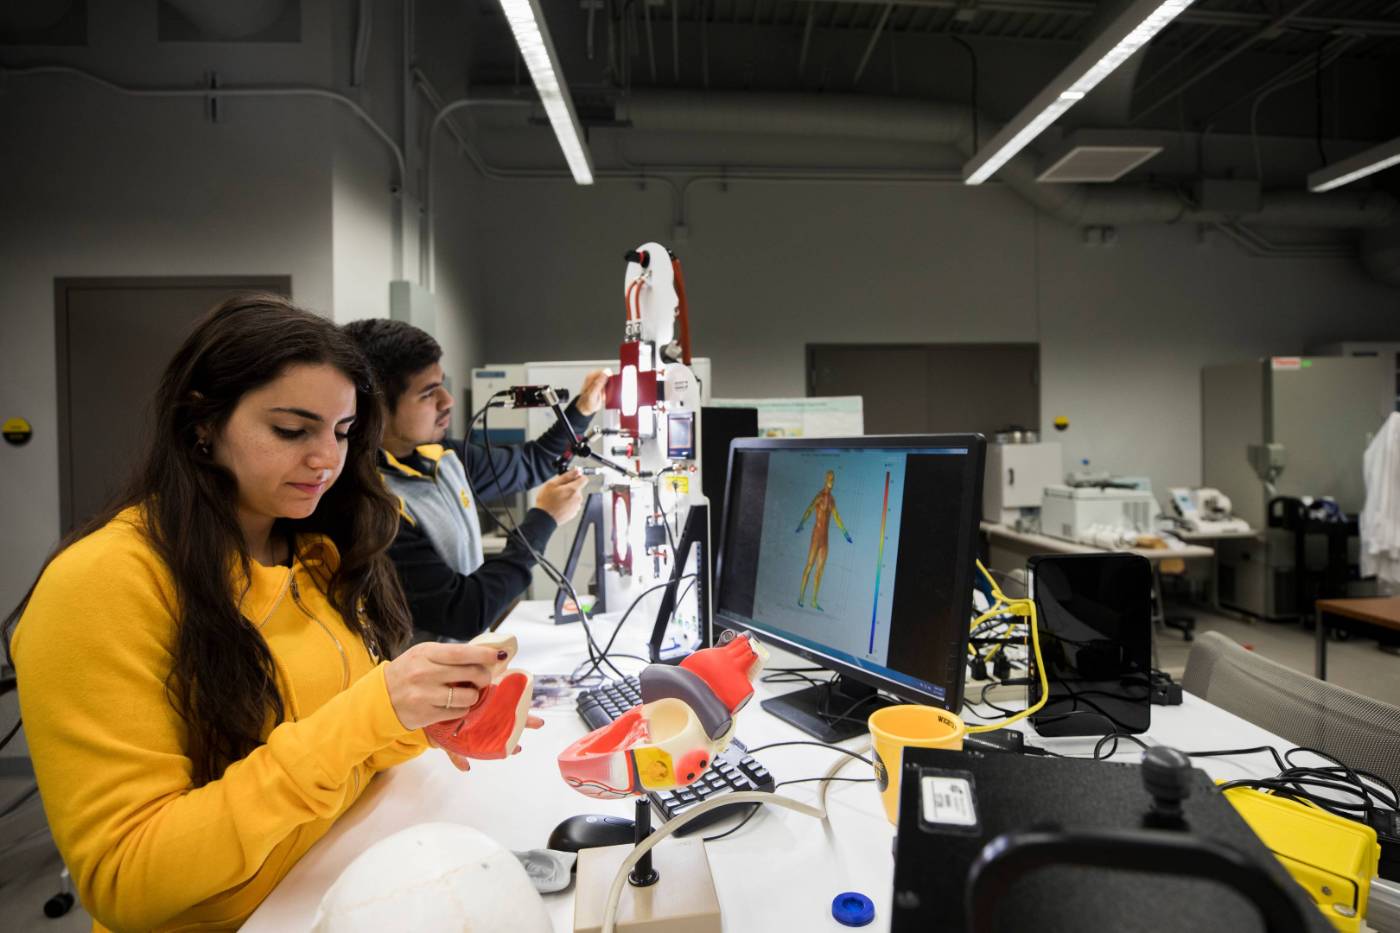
976, 445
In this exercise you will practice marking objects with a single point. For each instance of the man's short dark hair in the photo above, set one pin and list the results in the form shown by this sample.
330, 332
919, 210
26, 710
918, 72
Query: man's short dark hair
397, 351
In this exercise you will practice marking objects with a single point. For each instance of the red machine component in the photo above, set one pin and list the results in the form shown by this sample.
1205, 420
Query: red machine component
634, 387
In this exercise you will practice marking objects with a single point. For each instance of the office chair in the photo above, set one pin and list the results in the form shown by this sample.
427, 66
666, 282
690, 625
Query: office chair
1184, 624
1358, 730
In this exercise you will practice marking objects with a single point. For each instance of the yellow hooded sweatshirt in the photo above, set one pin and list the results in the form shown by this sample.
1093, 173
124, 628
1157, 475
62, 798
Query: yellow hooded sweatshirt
148, 851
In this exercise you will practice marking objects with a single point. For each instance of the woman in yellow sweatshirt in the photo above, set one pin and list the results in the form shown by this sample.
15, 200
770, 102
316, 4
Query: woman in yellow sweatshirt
200, 671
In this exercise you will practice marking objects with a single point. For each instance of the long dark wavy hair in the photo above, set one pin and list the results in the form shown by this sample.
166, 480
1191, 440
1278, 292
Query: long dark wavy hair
222, 681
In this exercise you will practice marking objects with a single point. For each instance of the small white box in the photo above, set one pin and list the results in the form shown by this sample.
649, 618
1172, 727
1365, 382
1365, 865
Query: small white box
1017, 475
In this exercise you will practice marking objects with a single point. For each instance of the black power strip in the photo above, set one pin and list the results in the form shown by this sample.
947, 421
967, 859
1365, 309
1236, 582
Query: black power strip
1386, 823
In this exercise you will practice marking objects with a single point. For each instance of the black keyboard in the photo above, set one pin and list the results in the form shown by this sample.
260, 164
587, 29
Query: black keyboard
733, 770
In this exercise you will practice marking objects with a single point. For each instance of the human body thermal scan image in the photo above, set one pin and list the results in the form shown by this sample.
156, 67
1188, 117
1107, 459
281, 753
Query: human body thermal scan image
852, 552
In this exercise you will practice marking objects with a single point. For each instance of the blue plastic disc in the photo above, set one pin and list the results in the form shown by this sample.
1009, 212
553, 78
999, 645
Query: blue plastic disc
852, 909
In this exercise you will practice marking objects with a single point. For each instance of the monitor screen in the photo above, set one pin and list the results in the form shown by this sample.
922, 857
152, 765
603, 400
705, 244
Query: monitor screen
856, 553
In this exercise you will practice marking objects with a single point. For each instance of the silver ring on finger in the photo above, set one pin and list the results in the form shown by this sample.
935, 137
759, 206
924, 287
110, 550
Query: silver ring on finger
448, 704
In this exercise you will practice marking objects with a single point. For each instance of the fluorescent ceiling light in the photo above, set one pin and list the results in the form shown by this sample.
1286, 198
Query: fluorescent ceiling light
1358, 166
1130, 31
527, 25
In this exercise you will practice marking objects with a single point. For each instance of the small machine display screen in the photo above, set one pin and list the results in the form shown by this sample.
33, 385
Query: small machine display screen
680, 435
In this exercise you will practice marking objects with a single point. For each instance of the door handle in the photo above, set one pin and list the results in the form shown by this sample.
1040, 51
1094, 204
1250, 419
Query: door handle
1011, 476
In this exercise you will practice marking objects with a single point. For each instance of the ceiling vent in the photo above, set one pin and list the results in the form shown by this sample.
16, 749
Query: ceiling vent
1096, 156
1096, 163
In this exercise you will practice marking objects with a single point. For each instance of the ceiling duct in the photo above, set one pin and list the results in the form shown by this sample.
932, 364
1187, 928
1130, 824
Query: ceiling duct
902, 120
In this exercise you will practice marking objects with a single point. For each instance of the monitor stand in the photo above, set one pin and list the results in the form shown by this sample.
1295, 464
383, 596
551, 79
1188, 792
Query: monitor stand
818, 710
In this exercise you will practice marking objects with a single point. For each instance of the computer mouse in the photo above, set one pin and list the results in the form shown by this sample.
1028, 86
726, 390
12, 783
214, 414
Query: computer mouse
589, 830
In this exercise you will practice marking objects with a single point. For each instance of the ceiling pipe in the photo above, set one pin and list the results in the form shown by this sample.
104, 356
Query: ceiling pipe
899, 120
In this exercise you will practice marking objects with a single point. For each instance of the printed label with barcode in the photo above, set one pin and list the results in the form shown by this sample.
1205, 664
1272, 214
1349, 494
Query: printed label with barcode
948, 801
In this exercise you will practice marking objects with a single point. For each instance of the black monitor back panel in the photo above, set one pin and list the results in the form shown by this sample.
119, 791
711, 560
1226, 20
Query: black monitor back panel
1016, 793
1094, 615
718, 429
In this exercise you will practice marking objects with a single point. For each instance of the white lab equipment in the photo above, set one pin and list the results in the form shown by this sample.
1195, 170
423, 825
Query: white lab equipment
1071, 511
1016, 477
1205, 510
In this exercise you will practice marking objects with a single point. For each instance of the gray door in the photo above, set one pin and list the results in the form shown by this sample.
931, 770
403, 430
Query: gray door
114, 339
915, 388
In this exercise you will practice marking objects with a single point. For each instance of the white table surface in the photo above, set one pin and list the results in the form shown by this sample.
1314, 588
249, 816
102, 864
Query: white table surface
1249, 533
1052, 545
780, 872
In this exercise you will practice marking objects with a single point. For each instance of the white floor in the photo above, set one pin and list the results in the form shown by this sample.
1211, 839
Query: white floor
1357, 663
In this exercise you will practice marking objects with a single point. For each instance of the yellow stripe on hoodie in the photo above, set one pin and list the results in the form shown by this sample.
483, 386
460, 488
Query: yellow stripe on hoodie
146, 850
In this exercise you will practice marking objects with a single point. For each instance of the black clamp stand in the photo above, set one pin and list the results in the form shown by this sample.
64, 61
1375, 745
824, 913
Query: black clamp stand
591, 517
643, 875
695, 534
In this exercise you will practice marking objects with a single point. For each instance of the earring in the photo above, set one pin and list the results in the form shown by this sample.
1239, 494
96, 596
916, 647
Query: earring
203, 447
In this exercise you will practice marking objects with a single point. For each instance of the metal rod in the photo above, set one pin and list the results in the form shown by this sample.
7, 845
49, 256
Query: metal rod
592, 9
1216, 63
704, 43
1174, 60
651, 39
874, 38
364, 20
806, 38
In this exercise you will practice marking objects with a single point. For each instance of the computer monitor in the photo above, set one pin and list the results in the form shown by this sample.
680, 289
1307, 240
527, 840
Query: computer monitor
858, 554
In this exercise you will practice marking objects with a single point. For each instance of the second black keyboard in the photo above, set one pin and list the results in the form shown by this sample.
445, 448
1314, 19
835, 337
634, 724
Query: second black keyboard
732, 770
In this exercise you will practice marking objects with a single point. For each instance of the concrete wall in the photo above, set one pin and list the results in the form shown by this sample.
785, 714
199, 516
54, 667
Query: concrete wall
772, 267
100, 184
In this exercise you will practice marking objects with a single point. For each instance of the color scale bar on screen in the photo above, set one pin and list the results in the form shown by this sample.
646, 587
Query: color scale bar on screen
879, 563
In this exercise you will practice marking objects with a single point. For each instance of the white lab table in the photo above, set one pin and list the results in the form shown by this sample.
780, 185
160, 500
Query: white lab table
1026, 544
1201, 537
780, 872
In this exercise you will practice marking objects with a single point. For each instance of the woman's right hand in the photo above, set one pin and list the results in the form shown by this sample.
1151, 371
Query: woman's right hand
420, 678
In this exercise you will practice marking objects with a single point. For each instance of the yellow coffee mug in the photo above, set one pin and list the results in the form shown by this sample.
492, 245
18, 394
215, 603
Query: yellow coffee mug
895, 727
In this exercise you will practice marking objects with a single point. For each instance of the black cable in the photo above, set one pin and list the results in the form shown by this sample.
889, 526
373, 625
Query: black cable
792, 677
734, 829
550, 570
607, 647
1317, 92
758, 806
1098, 754
824, 711
1114, 737
810, 780
29, 794
1312, 784
11, 734
1241, 751
973, 55
983, 701
827, 745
